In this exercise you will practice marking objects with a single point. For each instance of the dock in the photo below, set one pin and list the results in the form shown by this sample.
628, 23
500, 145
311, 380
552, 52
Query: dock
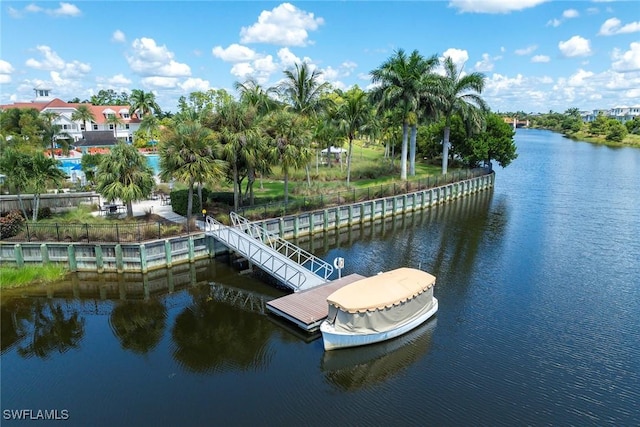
307, 309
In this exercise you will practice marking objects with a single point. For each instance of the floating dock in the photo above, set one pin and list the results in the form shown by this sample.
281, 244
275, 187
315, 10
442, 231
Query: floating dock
307, 309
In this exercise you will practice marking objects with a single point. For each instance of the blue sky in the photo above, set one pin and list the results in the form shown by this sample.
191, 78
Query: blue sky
537, 55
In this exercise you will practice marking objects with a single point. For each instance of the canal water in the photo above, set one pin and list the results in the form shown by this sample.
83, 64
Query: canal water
538, 283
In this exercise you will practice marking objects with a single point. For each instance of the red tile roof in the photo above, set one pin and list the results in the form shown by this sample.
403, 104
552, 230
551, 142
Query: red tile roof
97, 110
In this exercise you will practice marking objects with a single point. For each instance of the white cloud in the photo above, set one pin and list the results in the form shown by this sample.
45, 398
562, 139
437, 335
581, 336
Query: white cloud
65, 9
486, 64
158, 81
554, 22
612, 26
118, 37
195, 85
540, 58
242, 70
234, 53
5, 71
119, 80
575, 46
76, 69
459, 56
265, 65
527, 50
149, 59
287, 58
51, 60
627, 61
570, 13
493, 6
284, 25
579, 78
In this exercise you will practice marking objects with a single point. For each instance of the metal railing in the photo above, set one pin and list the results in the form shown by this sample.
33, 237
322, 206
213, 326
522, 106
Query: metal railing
308, 203
314, 264
278, 265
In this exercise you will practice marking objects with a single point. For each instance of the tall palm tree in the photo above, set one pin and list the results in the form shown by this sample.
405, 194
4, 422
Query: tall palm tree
302, 88
53, 134
252, 93
401, 83
143, 101
455, 93
114, 120
124, 174
287, 133
188, 154
236, 127
354, 115
83, 113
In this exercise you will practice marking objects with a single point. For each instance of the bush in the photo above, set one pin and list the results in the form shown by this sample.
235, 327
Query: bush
180, 198
11, 224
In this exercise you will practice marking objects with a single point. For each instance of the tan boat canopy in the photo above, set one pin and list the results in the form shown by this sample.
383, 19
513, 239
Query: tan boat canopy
382, 291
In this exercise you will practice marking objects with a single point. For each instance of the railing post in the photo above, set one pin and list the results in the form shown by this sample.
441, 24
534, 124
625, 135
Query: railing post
57, 232
87, 230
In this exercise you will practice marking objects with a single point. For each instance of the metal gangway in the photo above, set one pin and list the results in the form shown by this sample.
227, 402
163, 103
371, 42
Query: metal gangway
292, 266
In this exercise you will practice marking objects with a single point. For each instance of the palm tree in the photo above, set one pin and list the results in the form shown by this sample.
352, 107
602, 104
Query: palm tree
83, 113
114, 120
124, 174
252, 93
236, 126
401, 80
188, 154
53, 134
302, 88
354, 115
455, 93
149, 125
143, 101
287, 132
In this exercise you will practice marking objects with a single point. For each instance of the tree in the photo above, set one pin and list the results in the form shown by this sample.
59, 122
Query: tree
252, 93
287, 133
188, 154
109, 97
354, 115
495, 142
455, 93
30, 173
125, 175
143, 101
302, 88
237, 132
52, 134
401, 82
617, 131
114, 121
83, 113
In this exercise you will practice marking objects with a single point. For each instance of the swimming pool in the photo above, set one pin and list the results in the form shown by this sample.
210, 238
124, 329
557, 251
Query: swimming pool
154, 161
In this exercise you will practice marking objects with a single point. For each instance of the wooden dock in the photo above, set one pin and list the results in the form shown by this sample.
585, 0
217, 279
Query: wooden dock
307, 309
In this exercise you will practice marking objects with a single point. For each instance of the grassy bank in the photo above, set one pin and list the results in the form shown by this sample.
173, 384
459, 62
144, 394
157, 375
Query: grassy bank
13, 277
630, 140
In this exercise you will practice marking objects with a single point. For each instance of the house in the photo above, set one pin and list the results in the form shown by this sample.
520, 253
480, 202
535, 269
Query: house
44, 102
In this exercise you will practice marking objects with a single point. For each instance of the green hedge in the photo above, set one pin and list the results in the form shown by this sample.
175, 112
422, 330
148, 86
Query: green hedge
180, 198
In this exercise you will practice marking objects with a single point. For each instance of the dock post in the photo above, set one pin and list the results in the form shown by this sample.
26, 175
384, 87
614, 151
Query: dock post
73, 263
44, 253
17, 252
167, 253
119, 260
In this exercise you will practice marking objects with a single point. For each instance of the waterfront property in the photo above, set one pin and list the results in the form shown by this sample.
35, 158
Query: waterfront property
538, 322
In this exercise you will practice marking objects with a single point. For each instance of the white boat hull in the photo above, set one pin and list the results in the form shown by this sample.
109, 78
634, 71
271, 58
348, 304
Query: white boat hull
334, 340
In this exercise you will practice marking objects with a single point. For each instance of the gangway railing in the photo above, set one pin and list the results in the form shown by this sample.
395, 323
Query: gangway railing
283, 268
314, 264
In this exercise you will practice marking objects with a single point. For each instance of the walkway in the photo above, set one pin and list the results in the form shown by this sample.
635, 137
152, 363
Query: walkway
291, 265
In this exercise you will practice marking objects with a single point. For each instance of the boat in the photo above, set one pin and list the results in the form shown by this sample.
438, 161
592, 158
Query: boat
378, 308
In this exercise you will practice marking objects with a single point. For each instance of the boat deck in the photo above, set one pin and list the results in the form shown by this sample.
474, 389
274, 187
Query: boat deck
307, 309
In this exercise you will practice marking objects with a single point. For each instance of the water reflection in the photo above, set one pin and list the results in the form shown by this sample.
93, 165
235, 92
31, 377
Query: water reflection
39, 328
362, 367
139, 325
213, 336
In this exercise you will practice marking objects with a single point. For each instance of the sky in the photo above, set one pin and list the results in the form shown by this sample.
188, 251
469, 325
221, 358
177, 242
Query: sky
537, 55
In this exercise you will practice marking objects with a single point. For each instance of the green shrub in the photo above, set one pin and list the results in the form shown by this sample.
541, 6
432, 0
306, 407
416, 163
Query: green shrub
180, 198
